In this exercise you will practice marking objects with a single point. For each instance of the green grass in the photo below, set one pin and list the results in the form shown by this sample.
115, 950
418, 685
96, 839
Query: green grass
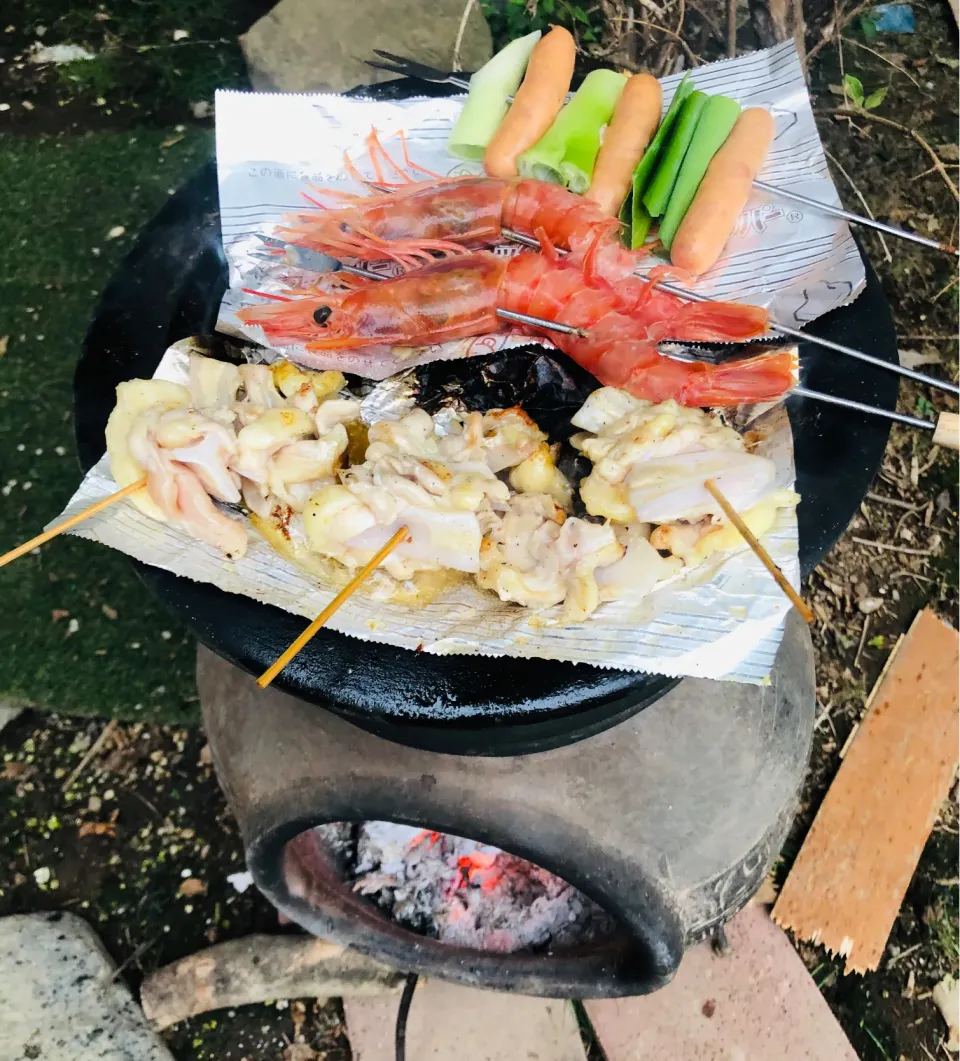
137, 59
58, 200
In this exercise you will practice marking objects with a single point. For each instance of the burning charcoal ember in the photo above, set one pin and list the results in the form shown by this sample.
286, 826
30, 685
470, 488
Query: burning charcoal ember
463, 892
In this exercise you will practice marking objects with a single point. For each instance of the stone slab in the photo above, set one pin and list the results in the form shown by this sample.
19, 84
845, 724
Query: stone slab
756, 1003
452, 1023
321, 45
59, 998
8, 712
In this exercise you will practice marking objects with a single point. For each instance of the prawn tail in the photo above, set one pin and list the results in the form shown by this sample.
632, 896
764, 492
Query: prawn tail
714, 322
763, 378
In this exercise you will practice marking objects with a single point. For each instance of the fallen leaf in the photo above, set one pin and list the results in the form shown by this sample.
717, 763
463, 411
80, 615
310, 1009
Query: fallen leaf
914, 359
191, 887
110, 613
299, 1052
946, 997
98, 829
116, 232
14, 771
240, 881
173, 140
4, 343
59, 613
949, 152
205, 757
59, 53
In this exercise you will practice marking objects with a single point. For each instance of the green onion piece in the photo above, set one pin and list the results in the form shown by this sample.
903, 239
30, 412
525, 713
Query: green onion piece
645, 167
626, 221
566, 153
716, 121
657, 195
486, 103
640, 223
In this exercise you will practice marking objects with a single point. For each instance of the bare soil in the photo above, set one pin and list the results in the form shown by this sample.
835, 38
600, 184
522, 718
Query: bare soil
146, 813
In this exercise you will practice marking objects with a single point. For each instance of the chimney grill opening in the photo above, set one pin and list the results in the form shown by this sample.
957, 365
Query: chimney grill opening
449, 888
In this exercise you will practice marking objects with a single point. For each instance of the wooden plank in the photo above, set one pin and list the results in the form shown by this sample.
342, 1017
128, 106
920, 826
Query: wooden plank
847, 884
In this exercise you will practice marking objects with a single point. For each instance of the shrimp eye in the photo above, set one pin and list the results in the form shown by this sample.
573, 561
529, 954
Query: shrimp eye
322, 314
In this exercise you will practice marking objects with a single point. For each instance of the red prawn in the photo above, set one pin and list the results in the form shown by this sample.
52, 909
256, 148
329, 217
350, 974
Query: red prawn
459, 297
420, 220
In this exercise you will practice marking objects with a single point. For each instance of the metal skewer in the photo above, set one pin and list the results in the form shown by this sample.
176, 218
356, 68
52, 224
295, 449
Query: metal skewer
398, 64
945, 429
856, 219
784, 329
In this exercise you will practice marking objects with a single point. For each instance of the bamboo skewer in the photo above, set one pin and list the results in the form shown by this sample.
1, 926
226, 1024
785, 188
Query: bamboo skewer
348, 590
750, 538
91, 510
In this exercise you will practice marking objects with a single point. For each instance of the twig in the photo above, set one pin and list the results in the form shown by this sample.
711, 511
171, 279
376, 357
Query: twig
943, 290
146, 803
455, 62
731, 28
824, 716
653, 8
94, 749
911, 574
866, 205
695, 59
895, 501
132, 958
683, 14
837, 25
883, 58
708, 19
850, 739
856, 112
843, 74
893, 548
933, 337
947, 882
899, 957
863, 638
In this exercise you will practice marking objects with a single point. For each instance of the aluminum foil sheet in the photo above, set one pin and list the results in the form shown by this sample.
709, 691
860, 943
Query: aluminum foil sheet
796, 261
723, 619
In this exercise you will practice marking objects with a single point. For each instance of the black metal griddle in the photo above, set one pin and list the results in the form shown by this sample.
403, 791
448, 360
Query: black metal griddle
169, 287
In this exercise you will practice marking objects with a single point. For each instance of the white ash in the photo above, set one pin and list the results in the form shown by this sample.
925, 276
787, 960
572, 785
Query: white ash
463, 892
